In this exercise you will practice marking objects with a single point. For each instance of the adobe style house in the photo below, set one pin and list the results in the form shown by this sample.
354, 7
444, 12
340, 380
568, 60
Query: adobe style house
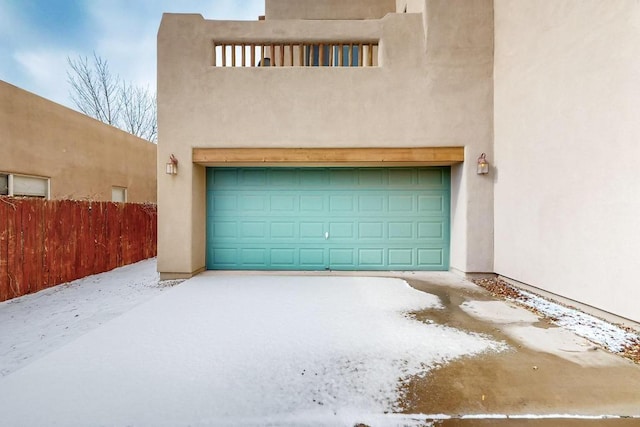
48, 150
347, 135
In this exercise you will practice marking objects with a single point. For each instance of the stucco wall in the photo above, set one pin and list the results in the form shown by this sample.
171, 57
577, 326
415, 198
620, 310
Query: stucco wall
567, 97
328, 9
82, 157
433, 93
410, 6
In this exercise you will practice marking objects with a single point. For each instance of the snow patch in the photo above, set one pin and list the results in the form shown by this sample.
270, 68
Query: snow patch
36, 324
595, 330
563, 342
498, 312
229, 350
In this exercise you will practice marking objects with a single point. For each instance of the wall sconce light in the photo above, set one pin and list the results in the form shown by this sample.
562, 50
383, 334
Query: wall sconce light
483, 165
172, 166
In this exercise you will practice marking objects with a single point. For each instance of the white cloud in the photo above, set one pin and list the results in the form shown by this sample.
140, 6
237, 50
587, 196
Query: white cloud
121, 31
127, 30
46, 73
31, 60
230, 9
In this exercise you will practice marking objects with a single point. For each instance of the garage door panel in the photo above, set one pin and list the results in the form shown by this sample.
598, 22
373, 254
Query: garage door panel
341, 230
431, 230
283, 203
311, 177
283, 230
313, 203
401, 177
313, 257
431, 204
342, 258
433, 178
341, 203
253, 229
371, 230
401, 230
342, 177
252, 177
371, 177
430, 257
312, 230
253, 202
371, 257
224, 177
371, 204
224, 229
401, 203
223, 203
224, 256
401, 257
253, 257
283, 177
327, 218
283, 258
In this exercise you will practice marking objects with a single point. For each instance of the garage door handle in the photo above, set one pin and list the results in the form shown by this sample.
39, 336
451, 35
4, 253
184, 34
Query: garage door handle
326, 235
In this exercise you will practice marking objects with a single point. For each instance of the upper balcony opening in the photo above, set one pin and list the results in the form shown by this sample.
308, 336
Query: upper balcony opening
296, 54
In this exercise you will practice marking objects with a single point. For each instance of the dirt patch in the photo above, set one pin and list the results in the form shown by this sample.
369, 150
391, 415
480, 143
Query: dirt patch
554, 422
169, 283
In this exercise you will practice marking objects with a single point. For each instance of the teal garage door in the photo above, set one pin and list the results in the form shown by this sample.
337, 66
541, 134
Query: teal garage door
328, 218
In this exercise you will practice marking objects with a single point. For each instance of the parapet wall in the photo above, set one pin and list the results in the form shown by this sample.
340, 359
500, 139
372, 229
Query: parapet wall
82, 157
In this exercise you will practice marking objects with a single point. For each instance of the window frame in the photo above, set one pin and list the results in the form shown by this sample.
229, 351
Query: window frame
11, 185
125, 193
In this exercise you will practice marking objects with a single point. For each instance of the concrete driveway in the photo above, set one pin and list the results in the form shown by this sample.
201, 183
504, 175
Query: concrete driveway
548, 372
233, 349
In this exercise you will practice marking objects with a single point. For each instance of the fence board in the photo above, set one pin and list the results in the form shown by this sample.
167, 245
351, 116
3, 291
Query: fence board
11, 255
83, 260
5, 206
55, 245
96, 247
45, 243
113, 232
38, 237
128, 231
48, 227
69, 242
15, 246
102, 244
28, 247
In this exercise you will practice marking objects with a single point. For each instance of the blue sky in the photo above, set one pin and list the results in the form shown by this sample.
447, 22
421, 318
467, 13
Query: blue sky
37, 36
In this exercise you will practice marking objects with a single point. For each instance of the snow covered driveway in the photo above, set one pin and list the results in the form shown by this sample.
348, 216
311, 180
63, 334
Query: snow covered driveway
36, 324
242, 350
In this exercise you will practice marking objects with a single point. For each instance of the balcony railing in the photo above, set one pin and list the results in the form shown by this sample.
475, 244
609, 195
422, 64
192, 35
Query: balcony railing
296, 54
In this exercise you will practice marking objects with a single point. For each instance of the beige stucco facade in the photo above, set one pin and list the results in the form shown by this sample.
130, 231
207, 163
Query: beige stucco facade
81, 157
328, 9
433, 93
567, 144
560, 93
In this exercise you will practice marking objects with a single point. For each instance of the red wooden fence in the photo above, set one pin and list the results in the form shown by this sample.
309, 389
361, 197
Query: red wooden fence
47, 242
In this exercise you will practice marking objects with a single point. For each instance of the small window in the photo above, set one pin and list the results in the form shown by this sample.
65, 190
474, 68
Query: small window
30, 186
4, 184
23, 186
119, 194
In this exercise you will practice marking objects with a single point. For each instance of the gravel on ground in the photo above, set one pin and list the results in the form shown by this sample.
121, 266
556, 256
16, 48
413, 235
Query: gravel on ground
618, 339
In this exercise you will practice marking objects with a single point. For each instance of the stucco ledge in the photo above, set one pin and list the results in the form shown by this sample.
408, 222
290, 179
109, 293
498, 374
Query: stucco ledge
179, 276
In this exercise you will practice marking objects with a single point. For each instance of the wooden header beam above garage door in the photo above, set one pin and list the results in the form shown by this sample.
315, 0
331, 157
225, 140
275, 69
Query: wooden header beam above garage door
416, 156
